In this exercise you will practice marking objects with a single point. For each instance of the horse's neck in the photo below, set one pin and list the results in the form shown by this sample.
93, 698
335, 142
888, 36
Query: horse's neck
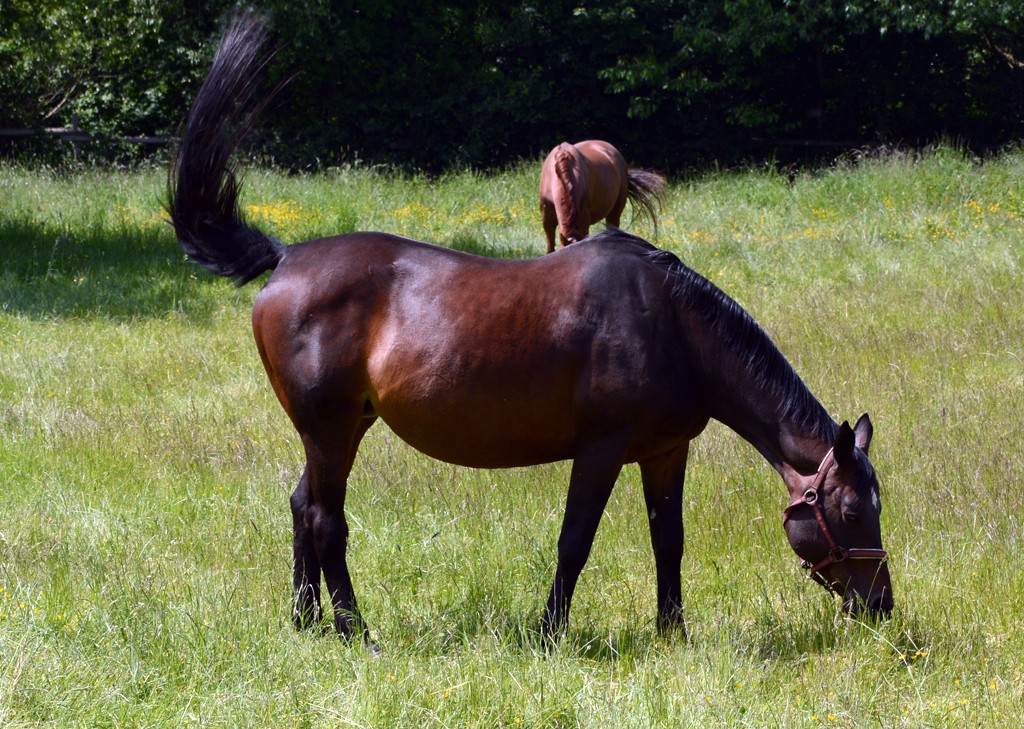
793, 440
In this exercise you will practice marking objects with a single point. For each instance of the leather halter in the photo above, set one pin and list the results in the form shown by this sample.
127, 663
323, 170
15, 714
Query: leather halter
836, 553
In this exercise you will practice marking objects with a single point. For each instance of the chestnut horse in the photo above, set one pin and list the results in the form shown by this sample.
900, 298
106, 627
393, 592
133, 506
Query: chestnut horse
583, 183
607, 352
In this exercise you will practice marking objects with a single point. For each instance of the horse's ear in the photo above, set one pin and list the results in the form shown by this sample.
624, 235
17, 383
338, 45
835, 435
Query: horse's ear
842, 450
863, 431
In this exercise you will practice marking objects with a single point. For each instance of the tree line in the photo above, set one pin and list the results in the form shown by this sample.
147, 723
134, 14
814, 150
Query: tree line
434, 84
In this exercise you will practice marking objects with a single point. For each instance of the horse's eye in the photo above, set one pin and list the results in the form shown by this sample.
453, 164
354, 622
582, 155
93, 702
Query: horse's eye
852, 516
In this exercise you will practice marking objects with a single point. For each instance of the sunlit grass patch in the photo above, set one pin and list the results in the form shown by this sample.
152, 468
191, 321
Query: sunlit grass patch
141, 219
283, 217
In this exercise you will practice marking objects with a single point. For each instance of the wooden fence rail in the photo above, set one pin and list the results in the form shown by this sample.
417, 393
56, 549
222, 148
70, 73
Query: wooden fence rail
77, 136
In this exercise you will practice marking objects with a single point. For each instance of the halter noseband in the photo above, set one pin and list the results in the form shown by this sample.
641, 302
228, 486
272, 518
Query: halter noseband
836, 553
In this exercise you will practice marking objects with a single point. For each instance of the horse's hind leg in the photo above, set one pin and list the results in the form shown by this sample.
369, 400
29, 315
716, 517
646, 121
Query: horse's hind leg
307, 611
663, 493
593, 477
583, 225
550, 220
330, 452
614, 216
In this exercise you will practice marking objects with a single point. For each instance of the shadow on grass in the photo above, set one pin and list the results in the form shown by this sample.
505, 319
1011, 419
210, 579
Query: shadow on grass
775, 638
49, 271
121, 274
783, 639
452, 633
825, 630
630, 642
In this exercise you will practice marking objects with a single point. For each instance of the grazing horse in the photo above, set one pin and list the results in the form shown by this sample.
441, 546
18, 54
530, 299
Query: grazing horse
583, 183
607, 352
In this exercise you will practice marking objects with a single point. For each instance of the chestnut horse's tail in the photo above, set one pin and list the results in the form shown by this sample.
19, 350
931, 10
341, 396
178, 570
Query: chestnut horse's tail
646, 191
567, 204
202, 189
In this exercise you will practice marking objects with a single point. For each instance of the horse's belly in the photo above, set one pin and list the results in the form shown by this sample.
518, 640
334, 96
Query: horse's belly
485, 417
482, 445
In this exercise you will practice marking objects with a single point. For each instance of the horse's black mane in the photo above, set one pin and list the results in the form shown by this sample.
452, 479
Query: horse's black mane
743, 335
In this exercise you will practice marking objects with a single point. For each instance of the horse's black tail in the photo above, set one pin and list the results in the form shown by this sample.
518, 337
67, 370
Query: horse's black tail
646, 192
202, 189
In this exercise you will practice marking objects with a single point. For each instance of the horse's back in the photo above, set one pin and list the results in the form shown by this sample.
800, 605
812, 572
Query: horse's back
599, 152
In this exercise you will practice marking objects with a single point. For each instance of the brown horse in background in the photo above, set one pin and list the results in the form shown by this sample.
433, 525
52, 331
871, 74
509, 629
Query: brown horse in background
583, 183
607, 352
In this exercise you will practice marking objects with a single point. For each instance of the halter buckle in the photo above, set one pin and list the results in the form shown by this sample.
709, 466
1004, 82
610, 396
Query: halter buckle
811, 497
837, 554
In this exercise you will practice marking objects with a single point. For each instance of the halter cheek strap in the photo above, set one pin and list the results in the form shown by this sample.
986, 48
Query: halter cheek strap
836, 553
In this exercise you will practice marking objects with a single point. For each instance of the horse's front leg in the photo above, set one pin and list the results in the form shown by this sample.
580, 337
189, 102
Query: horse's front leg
594, 471
663, 494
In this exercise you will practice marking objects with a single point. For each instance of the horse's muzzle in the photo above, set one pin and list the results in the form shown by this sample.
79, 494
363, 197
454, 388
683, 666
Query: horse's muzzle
878, 606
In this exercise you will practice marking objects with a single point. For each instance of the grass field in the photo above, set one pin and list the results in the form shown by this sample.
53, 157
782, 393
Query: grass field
145, 468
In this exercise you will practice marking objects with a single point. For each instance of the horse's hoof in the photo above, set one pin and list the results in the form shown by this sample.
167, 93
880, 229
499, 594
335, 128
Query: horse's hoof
307, 619
673, 627
550, 634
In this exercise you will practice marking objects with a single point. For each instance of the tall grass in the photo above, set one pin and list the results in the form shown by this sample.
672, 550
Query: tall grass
146, 465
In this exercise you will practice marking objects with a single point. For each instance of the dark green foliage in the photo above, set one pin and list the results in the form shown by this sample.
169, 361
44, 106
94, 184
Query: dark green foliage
125, 67
437, 83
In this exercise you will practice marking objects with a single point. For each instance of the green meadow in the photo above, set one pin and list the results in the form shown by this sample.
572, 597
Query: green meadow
145, 469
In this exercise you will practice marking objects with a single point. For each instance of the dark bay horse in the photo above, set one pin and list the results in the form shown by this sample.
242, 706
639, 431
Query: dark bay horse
583, 183
607, 352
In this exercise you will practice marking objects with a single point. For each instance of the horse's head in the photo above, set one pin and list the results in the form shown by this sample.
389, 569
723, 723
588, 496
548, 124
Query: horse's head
833, 524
